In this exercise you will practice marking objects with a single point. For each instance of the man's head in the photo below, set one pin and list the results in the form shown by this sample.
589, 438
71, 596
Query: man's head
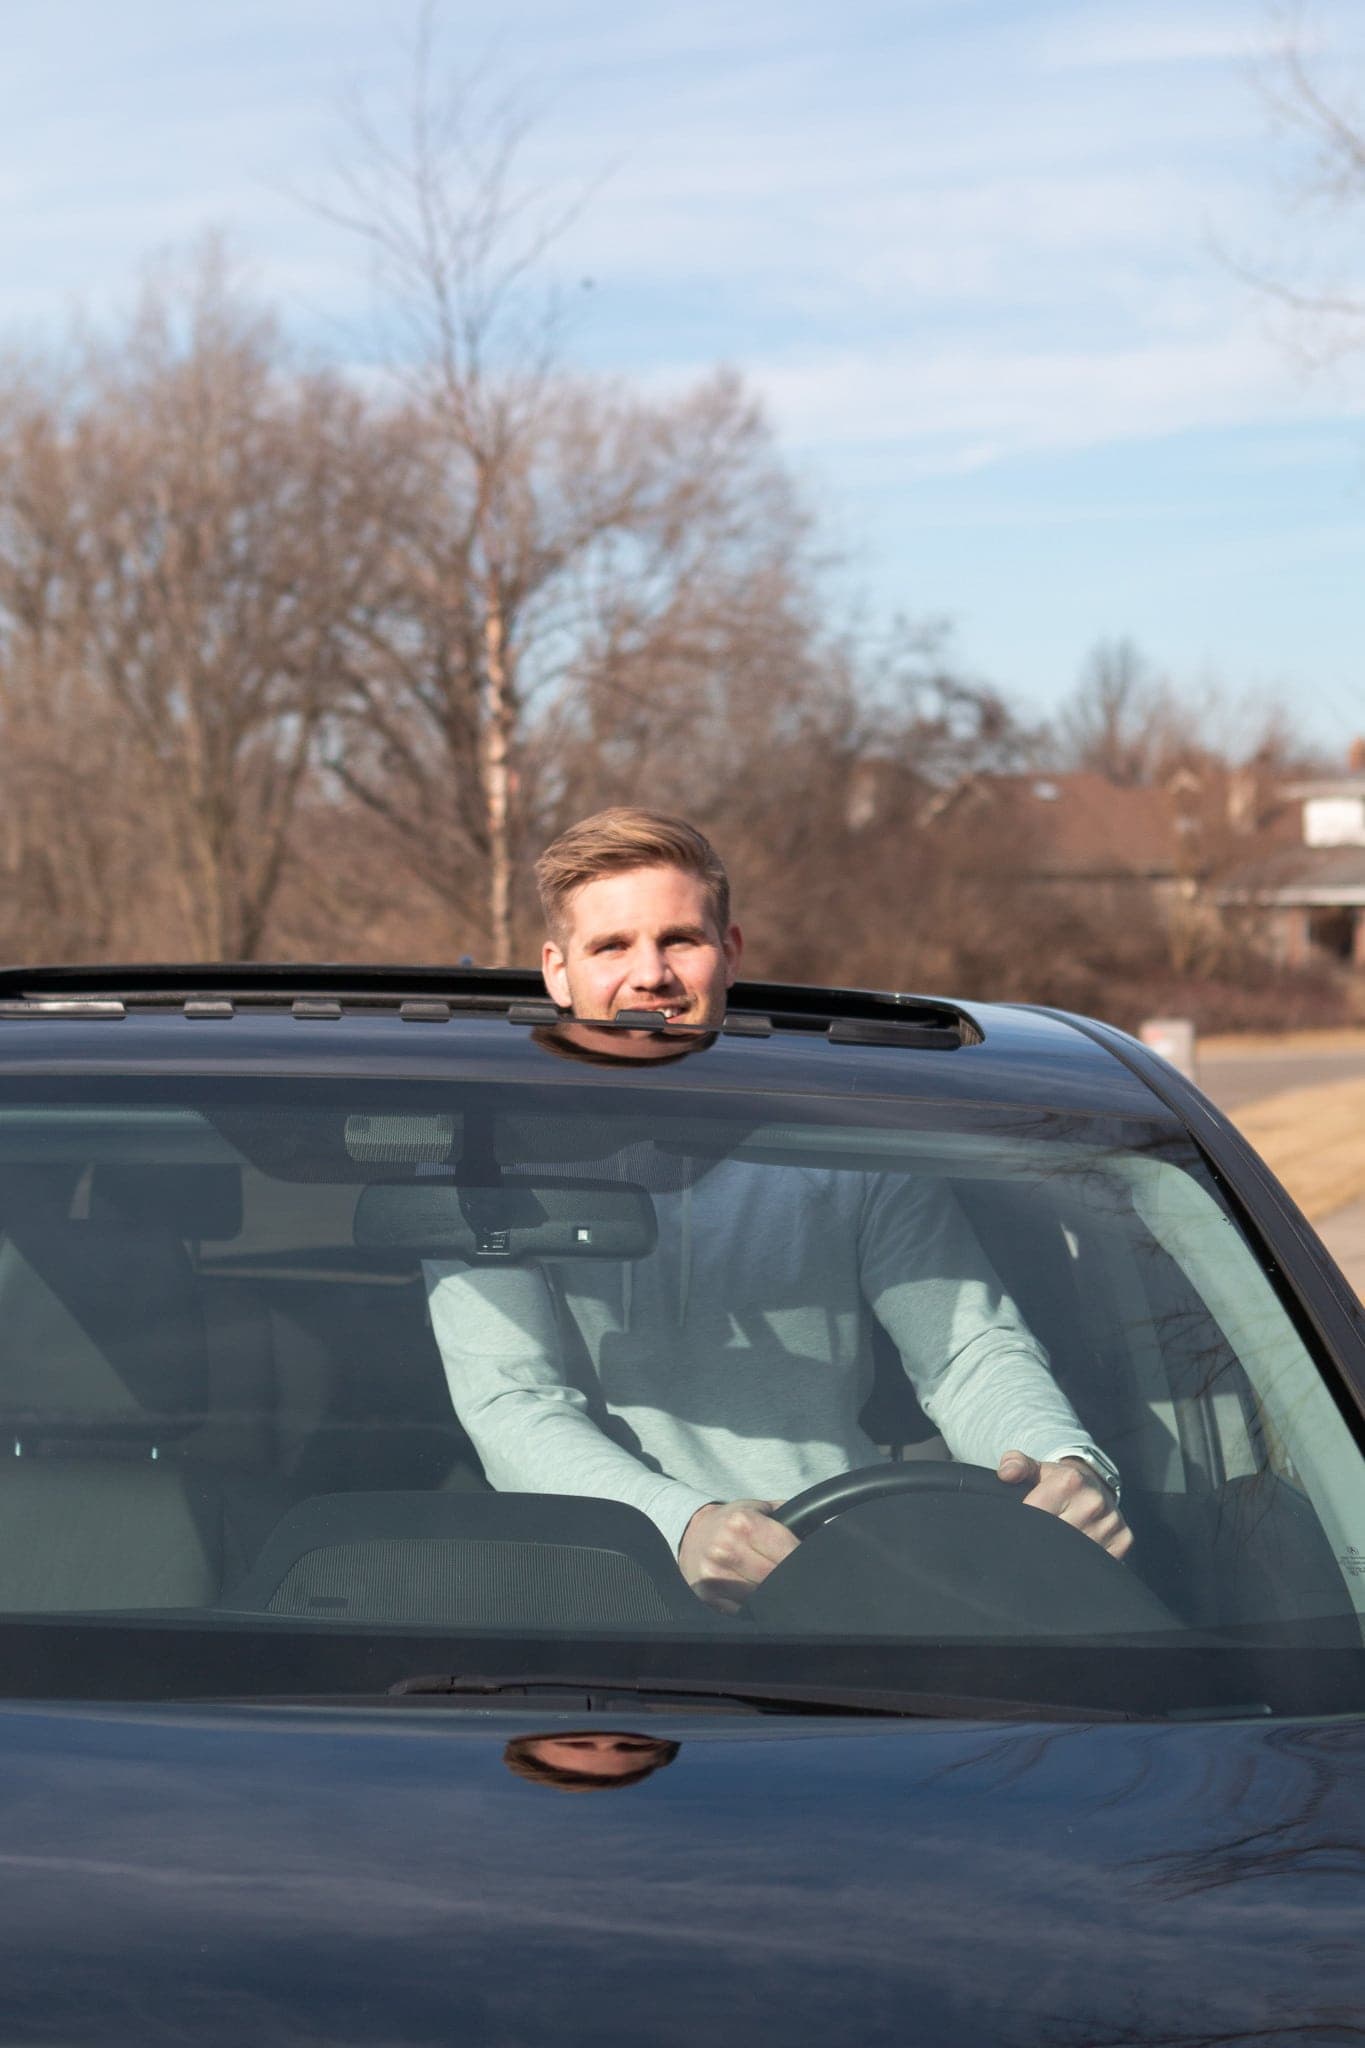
637, 907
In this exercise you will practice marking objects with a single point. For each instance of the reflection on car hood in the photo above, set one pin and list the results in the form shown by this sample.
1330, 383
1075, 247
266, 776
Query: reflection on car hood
282, 1876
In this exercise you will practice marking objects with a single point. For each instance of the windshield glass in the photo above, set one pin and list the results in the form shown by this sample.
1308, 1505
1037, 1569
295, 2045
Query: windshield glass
315, 1386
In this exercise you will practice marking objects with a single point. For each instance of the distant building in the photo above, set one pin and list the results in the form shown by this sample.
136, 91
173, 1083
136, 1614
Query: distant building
1311, 895
1080, 827
1205, 848
1139, 860
1149, 843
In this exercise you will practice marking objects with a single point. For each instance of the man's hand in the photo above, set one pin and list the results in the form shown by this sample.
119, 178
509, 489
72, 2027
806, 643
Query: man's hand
1075, 1493
729, 1548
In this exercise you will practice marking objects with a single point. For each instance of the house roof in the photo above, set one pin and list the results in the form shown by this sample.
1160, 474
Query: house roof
1081, 825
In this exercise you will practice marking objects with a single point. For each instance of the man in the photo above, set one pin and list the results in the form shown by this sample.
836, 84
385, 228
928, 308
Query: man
678, 1407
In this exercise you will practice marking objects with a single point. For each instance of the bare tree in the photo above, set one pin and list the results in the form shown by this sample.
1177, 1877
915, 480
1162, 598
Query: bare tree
77, 856
216, 538
1320, 116
606, 533
437, 676
1121, 721
696, 640
576, 574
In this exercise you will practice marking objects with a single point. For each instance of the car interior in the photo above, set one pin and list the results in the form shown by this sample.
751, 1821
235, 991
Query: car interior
260, 1422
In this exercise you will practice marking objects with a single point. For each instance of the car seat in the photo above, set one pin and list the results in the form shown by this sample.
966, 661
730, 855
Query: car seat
115, 1486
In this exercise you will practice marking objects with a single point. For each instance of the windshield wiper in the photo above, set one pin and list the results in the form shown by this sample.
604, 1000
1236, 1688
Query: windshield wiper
598, 1695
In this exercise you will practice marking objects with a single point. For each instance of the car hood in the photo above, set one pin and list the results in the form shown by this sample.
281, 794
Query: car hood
278, 1876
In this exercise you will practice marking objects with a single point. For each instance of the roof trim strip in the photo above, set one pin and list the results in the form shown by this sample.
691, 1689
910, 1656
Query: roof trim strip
429, 994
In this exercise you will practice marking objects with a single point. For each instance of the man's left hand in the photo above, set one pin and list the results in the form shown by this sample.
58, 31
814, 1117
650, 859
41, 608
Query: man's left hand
1075, 1493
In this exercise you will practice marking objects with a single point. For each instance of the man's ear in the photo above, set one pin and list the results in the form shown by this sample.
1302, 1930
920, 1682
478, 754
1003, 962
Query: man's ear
733, 944
555, 974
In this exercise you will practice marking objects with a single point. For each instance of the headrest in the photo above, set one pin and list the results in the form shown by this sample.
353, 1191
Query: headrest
101, 1328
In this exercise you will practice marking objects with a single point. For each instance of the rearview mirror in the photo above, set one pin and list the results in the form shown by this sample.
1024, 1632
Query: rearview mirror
514, 1220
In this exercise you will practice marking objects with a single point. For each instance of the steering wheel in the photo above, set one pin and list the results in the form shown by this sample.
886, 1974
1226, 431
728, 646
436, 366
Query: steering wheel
830, 1497
905, 1567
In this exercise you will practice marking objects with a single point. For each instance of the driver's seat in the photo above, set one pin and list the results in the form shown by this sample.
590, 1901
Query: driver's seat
891, 1414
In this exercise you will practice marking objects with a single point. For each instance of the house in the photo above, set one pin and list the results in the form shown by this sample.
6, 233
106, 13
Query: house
1177, 861
1122, 847
1082, 828
1142, 862
1310, 895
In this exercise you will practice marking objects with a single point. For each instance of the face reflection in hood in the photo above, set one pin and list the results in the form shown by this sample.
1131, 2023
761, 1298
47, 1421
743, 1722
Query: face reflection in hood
602, 1045
587, 1761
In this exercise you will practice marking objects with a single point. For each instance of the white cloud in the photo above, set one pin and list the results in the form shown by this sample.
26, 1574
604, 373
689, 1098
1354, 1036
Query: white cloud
1118, 37
952, 412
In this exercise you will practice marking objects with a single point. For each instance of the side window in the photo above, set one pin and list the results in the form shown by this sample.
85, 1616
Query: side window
1214, 1414
1131, 1344
1051, 1259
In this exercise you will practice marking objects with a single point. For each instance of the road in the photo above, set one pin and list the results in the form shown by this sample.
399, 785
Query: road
1230, 1079
1233, 1079
1344, 1237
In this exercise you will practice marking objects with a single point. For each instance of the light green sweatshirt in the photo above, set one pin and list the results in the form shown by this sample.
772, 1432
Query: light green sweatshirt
733, 1362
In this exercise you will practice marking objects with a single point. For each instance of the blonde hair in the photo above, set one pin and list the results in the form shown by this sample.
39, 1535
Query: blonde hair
614, 841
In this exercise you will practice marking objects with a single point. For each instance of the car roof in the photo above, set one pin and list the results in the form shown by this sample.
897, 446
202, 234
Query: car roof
421, 1022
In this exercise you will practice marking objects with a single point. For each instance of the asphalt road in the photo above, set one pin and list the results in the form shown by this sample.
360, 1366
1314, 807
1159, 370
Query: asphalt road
1344, 1237
1232, 1079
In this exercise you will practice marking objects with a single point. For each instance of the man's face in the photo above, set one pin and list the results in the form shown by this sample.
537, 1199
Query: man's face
643, 940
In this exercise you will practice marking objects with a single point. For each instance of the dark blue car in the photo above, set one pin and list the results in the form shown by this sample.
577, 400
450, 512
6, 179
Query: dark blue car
319, 1727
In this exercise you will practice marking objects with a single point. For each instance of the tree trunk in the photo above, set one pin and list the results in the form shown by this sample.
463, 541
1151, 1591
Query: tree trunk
499, 722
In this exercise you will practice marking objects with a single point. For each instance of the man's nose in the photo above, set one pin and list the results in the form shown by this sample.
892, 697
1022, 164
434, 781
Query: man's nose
649, 967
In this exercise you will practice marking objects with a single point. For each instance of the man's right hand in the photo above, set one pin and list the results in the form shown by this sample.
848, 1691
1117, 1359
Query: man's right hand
730, 1547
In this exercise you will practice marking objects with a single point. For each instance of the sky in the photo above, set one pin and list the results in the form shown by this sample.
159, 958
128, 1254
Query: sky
981, 259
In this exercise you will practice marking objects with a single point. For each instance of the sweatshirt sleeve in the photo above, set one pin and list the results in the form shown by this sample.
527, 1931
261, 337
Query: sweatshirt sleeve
981, 1376
498, 1334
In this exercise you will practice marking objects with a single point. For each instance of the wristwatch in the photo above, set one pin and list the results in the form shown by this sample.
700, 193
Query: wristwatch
1104, 1468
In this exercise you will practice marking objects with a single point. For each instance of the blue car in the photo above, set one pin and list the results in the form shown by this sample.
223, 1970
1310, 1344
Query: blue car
353, 1691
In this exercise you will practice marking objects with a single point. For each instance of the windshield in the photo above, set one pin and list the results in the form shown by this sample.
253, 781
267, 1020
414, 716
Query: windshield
314, 1387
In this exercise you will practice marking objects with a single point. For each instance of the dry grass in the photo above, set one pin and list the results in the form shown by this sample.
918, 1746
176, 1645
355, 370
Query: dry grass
1314, 1140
